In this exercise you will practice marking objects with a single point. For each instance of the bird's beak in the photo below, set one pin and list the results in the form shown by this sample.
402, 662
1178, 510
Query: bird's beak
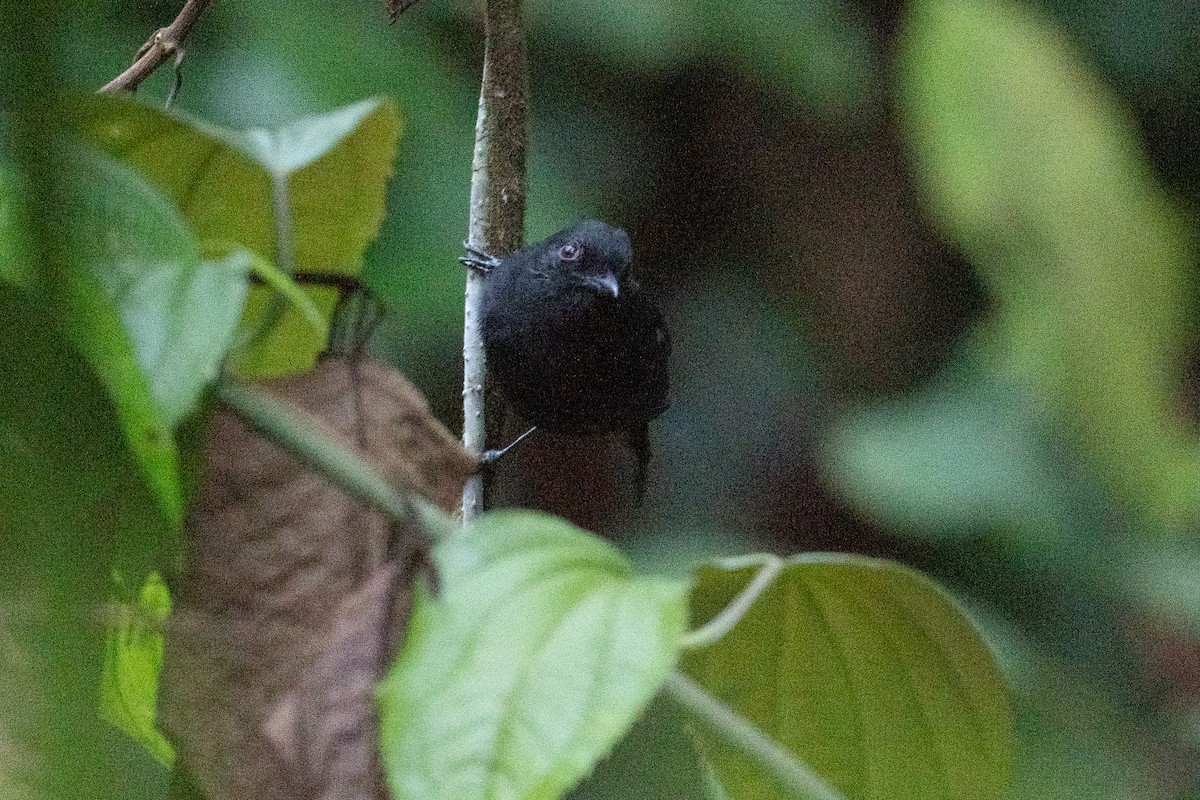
605, 284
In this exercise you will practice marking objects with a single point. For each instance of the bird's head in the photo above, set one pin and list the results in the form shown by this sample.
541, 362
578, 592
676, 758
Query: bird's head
592, 256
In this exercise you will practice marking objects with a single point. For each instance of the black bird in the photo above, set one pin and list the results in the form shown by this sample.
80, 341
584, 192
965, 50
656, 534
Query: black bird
572, 342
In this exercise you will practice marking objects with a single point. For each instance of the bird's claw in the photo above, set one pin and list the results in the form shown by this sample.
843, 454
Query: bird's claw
490, 457
478, 259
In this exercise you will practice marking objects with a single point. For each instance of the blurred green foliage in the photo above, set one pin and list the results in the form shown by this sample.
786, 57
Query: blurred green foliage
133, 657
328, 173
1038, 177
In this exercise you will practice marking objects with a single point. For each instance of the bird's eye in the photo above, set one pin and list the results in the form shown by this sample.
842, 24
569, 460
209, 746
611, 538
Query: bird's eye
570, 252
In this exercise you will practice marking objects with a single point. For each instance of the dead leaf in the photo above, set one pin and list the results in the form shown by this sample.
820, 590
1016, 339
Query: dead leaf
323, 730
273, 555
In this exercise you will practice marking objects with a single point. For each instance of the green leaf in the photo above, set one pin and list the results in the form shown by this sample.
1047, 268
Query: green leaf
539, 651
132, 660
72, 497
1037, 174
328, 174
91, 321
152, 317
15, 266
657, 758
179, 310
290, 291
968, 456
962, 453
66, 468
865, 671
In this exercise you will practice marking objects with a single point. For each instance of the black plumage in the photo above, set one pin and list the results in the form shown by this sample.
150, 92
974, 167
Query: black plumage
574, 344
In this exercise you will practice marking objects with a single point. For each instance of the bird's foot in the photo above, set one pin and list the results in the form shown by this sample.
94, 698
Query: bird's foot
479, 260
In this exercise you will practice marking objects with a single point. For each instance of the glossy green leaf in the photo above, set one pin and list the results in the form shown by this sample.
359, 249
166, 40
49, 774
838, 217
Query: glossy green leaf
539, 651
1034, 171
133, 656
317, 185
864, 670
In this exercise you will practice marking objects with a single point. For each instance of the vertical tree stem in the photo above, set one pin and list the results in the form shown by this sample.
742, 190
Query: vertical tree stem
497, 223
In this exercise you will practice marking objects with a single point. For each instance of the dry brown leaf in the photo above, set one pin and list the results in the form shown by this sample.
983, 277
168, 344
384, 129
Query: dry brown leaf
273, 551
322, 730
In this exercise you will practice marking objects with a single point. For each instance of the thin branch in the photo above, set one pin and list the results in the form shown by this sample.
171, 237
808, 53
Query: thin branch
497, 223
720, 722
165, 44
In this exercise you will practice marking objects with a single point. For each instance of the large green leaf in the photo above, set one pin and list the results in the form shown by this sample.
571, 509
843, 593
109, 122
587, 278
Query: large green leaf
539, 651
89, 318
1035, 172
864, 670
133, 293
72, 497
307, 196
179, 310
152, 316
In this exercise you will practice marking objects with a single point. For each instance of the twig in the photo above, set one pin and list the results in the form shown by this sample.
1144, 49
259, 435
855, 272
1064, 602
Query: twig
720, 722
497, 203
166, 43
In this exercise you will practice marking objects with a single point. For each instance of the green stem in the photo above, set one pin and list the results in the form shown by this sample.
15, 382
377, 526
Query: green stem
712, 631
716, 719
